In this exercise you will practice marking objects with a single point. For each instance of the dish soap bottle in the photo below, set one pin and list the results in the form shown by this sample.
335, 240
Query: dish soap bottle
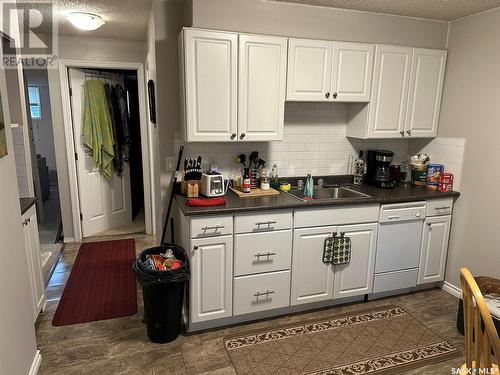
309, 187
359, 169
274, 177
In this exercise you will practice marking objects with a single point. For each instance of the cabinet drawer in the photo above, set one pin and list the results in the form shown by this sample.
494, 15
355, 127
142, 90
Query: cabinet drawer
442, 206
262, 252
262, 222
209, 226
261, 292
386, 282
316, 217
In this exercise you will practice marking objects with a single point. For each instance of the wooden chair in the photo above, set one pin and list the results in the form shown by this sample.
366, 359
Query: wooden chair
478, 323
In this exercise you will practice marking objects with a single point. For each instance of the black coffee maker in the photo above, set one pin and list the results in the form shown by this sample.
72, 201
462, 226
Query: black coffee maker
377, 168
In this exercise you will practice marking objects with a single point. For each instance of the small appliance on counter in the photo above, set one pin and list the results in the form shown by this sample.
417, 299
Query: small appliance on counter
378, 172
212, 184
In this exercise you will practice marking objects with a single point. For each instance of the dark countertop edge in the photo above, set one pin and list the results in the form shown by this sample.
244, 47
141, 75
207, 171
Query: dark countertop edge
296, 204
26, 203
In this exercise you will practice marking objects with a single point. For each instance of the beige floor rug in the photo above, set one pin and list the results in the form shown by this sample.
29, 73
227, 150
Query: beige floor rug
382, 340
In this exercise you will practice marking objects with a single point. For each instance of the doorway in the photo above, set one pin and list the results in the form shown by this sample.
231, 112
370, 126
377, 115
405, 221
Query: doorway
44, 167
106, 120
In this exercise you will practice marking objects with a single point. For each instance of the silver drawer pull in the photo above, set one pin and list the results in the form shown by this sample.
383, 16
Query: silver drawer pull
443, 208
268, 254
215, 228
266, 293
268, 223
394, 217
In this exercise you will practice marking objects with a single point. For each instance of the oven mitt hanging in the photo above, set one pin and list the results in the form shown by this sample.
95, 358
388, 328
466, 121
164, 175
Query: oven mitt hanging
337, 250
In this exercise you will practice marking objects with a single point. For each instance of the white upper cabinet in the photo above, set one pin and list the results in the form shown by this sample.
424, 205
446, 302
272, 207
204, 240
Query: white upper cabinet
352, 72
424, 97
326, 71
209, 74
309, 70
389, 93
261, 87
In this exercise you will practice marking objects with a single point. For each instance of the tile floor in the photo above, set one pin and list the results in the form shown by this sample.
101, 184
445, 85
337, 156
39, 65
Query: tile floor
121, 346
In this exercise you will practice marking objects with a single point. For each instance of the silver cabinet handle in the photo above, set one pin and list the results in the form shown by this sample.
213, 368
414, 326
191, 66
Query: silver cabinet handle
242, 135
266, 293
394, 217
215, 228
443, 208
429, 224
195, 247
327, 95
402, 133
334, 95
268, 223
268, 254
408, 132
233, 136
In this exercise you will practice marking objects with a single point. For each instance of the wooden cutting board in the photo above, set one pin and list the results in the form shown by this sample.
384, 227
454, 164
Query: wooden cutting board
255, 193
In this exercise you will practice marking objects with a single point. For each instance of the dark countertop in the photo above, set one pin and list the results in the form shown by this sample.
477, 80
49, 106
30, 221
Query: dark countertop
402, 193
26, 203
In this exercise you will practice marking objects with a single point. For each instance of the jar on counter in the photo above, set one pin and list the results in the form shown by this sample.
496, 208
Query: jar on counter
419, 174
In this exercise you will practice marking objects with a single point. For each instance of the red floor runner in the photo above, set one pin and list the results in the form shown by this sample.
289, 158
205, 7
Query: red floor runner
101, 284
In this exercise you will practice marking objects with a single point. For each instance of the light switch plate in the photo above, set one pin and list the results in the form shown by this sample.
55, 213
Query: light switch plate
170, 163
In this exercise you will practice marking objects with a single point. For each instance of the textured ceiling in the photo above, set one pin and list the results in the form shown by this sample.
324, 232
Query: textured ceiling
125, 19
447, 10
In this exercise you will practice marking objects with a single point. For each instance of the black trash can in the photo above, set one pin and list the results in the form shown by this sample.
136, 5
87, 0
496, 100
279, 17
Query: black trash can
163, 293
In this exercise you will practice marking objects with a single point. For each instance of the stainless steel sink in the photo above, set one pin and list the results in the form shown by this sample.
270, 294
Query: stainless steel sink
328, 193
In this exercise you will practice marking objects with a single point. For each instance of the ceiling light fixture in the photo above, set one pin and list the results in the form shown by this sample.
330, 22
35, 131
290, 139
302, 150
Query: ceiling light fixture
85, 21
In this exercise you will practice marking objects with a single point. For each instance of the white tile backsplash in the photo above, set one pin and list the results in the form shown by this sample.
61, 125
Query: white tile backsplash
314, 142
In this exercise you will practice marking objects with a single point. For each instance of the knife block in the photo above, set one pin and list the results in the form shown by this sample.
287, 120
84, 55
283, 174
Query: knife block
191, 189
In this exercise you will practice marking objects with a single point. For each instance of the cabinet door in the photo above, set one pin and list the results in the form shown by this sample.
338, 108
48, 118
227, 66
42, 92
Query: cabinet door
356, 277
32, 243
312, 280
352, 72
210, 75
424, 96
261, 87
211, 278
389, 92
434, 249
309, 70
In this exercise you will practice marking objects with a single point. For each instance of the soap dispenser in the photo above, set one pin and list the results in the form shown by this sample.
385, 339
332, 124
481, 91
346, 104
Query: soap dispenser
309, 187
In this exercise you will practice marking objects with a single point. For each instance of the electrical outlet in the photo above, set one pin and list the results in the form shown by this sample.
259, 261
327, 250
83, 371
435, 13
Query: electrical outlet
170, 163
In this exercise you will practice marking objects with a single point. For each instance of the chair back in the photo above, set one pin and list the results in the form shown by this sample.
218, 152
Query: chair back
481, 336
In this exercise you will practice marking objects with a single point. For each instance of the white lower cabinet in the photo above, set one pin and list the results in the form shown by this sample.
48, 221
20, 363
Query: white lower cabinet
32, 242
434, 249
211, 278
312, 280
356, 277
260, 292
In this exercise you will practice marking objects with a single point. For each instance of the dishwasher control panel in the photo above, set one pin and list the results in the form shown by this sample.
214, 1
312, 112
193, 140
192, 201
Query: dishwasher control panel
402, 212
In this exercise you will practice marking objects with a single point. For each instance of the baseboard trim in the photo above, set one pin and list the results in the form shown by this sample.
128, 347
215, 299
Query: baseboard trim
452, 289
69, 239
35, 365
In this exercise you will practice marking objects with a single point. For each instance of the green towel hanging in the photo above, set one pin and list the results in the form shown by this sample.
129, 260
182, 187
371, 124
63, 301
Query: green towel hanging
337, 250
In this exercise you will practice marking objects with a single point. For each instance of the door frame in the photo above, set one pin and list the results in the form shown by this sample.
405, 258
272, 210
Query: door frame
146, 146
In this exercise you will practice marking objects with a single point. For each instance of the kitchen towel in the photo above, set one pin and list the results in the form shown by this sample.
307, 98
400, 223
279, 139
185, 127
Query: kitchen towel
337, 250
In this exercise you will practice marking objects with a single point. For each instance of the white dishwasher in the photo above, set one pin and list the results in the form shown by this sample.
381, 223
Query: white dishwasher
398, 246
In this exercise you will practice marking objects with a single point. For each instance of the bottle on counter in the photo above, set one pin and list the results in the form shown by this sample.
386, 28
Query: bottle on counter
359, 169
275, 184
246, 183
265, 183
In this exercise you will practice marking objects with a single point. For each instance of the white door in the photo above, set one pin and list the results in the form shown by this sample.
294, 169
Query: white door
424, 97
211, 278
356, 277
389, 92
210, 73
434, 249
352, 72
103, 204
262, 81
312, 280
30, 229
309, 70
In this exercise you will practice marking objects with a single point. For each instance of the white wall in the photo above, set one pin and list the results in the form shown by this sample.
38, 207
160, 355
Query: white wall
17, 334
81, 48
470, 110
267, 17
